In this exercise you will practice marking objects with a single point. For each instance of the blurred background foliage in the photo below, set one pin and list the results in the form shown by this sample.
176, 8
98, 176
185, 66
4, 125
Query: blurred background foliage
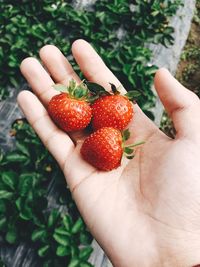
120, 31
188, 70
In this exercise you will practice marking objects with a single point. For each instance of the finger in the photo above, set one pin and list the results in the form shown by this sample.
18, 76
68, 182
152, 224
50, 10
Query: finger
96, 71
41, 84
92, 66
38, 78
181, 104
61, 71
57, 142
57, 64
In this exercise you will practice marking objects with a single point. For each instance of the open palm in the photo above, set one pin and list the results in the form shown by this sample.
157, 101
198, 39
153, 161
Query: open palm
146, 212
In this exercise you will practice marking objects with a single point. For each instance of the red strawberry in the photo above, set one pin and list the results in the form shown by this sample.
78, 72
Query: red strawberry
112, 111
70, 109
104, 148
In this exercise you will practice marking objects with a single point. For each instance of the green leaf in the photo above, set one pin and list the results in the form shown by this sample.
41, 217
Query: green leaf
130, 157
72, 85
16, 157
62, 231
22, 148
85, 253
114, 89
151, 70
128, 150
96, 89
78, 226
133, 95
2, 206
2, 263
67, 222
80, 92
42, 252
74, 250
61, 88
126, 135
14, 82
26, 212
53, 217
149, 114
62, 240
86, 264
19, 203
5, 194
85, 238
74, 263
9, 179
25, 183
11, 236
63, 251
47, 263
2, 223
38, 234
127, 68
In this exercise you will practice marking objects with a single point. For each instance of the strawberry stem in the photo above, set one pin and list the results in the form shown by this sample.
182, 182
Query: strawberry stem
136, 144
128, 150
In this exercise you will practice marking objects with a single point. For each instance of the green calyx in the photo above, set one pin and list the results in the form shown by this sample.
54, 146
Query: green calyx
114, 89
77, 91
133, 95
128, 150
98, 91
90, 91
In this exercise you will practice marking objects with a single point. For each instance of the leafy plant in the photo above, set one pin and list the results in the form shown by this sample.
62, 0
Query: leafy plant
23, 203
59, 240
191, 52
2, 263
188, 71
115, 28
196, 18
22, 184
19, 198
188, 68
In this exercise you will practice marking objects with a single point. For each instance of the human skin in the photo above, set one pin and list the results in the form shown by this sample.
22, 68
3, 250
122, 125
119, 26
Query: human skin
147, 212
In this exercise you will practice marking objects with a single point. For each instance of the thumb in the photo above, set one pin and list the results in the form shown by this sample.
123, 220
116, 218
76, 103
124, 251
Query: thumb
182, 105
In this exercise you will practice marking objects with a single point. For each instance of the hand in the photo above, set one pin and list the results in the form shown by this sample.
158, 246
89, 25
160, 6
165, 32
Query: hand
147, 212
